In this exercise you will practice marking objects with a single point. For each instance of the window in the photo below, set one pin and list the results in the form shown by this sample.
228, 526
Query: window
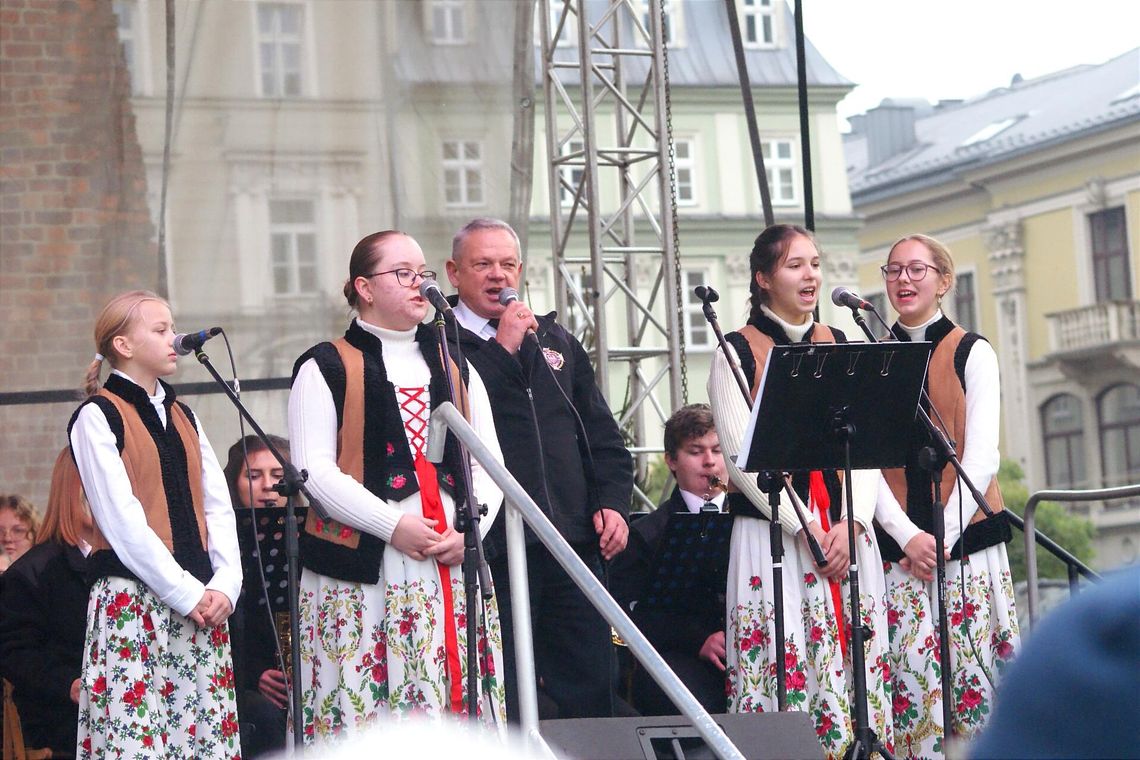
757, 23
698, 334
674, 21
879, 301
448, 23
1064, 433
990, 131
576, 319
131, 16
279, 33
684, 164
965, 302
462, 173
293, 246
1119, 409
569, 34
571, 174
781, 168
1110, 255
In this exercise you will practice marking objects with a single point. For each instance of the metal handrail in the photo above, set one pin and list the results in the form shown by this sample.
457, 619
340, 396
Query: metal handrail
1034, 537
520, 507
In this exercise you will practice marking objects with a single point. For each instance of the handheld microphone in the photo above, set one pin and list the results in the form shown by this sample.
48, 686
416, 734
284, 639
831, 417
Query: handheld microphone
429, 289
508, 296
706, 293
188, 343
844, 297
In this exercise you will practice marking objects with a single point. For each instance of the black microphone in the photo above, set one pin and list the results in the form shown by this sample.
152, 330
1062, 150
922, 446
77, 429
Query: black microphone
844, 297
706, 294
188, 343
429, 289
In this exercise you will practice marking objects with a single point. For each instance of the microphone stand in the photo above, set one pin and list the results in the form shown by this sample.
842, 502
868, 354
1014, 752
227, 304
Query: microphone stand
771, 483
933, 459
292, 482
476, 573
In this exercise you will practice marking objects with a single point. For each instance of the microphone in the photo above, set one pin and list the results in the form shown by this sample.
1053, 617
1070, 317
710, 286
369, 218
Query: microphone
429, 289
508, 296
706, 294
844, 297
188, 343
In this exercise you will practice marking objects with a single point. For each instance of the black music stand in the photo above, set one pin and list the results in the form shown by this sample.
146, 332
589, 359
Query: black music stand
691, 560
839, 407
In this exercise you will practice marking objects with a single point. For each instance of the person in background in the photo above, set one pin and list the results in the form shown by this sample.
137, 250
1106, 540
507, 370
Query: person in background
786, 282
689, 638
157, 677
263, 692
44, 603
562, 444
18, 525
965, 390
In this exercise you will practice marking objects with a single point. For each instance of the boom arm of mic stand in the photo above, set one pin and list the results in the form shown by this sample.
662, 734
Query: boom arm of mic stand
294, 480
797, 503
938, 435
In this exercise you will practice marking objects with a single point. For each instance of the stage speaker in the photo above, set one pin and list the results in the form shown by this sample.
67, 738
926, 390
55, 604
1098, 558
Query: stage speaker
758, 736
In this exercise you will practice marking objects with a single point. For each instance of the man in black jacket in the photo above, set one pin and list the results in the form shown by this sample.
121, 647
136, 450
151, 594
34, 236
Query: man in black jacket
560, 441
689, 637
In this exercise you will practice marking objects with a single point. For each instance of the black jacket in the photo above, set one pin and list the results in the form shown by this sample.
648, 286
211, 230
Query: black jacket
42, 627
575, 476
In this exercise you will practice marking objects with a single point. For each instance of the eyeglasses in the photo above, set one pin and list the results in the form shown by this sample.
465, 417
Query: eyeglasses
406, 277
915, 270
17, 533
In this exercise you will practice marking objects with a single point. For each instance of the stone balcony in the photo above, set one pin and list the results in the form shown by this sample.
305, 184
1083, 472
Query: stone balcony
1091, 330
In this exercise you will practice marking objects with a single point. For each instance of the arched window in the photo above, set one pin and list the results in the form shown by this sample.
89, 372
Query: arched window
1064, 432
1119, 410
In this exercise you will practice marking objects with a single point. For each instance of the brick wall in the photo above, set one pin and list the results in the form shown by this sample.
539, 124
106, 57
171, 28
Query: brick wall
74, 226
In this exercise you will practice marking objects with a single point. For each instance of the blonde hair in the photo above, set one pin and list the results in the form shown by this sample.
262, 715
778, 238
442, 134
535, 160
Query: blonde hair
939, 252
25, 512
117, 317
67, 518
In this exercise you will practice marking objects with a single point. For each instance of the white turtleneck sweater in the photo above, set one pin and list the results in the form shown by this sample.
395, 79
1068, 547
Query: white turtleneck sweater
980, 458
731, 414
313, 432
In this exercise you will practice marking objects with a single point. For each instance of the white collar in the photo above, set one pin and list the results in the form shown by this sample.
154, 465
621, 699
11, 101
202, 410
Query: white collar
693, 502
386, 335
919, 333
795, 333
481, 326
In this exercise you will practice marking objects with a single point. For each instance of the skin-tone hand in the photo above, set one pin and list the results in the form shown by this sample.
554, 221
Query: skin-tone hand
414, 534
713, 650
837, 550
817, 531
212, 609
920, 557
449, 551
513, 324
274, 687
74, 694
613, 532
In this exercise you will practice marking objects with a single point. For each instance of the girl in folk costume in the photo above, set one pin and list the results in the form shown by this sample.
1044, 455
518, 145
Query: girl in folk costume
157, 679
383, 617
963, 385
785, 268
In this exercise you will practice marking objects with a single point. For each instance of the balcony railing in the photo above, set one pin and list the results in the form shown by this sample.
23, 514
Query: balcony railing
1096, 326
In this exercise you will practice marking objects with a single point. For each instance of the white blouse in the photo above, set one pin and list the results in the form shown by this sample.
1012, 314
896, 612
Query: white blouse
120, 517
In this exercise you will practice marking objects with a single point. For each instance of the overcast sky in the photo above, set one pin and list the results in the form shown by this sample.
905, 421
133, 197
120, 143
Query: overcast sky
941, 49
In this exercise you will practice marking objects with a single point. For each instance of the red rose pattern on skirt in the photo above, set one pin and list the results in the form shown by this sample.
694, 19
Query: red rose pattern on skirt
153, 685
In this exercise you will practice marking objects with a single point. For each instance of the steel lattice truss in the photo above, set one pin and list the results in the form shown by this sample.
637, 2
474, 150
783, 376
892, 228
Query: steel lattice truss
613, 231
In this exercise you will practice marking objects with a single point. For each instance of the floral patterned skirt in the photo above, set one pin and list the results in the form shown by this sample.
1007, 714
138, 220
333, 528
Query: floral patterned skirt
983, 639
153, 684
817, 675
371, 652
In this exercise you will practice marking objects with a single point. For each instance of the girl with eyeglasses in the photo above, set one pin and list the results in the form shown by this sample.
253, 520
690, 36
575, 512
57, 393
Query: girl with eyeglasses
18, 524
383, 615
157, 676
785, 286
963, 386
